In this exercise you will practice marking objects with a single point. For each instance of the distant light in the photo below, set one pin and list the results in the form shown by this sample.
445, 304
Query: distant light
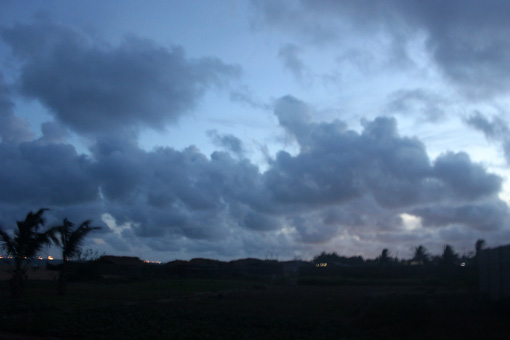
39, 258
322, 264
50, 258
463, 264
154, 262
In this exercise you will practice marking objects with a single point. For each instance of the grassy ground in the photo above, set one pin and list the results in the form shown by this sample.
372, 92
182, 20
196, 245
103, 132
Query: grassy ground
230, 309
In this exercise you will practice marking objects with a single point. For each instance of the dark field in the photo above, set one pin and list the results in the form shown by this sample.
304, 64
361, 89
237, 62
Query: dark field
235, 309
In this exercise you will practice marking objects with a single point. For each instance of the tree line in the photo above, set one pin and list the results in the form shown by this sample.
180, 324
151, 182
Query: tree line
421, 256
27, 240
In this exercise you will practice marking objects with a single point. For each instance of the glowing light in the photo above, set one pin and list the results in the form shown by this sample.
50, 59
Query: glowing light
154, 262
50, 258
39, 258
463, 264
323, 264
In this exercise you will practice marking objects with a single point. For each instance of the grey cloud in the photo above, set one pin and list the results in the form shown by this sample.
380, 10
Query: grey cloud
45, 175
12, 128
261, 222
337, 165
290, 15
496, 130
341, 183
310, 230
168, 192
229, 142
53, 132
465, 179
484, 216
98, 88
244, 96
419, 102
361, 59
293, 115
290, 57
466, 39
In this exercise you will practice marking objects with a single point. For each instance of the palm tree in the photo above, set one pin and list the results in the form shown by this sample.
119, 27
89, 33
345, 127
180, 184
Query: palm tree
479, 245
70, 242
421, 255
384, 258
23, 246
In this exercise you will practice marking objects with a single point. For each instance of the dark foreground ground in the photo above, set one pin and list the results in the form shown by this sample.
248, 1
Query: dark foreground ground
227, 309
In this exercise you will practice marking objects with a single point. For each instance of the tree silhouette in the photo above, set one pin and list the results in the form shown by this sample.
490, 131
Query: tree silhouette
421, 255
384, 258
449, 257
23, 246
70, 240
479, 245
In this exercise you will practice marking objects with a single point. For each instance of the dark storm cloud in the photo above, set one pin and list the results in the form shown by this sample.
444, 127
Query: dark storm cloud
169, 192
53, 132
94, 87
12, 128
467, 39
494, 130
465, 179
340, 182
45, 174
485, 216
337, 164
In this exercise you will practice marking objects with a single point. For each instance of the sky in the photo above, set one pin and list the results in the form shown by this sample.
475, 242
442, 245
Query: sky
267, 129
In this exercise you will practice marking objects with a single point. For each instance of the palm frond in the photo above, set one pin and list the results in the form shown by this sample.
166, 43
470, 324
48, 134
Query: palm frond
71, 240
7, 243
51, 235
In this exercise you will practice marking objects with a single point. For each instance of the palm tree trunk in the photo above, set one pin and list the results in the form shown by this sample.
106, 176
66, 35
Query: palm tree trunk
62, 279
17, 282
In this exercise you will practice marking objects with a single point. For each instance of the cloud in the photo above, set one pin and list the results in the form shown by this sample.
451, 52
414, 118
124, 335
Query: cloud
97, 88
341, 187
417, 102
337, 164
51, 174
291, 16
467, 40
229, 142
465, 180
13, 129
485, 216
496, 130
290, 57
243, 95
53, 132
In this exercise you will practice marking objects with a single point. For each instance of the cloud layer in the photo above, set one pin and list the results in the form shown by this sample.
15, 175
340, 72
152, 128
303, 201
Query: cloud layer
341, 183
94, 87
467, 40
